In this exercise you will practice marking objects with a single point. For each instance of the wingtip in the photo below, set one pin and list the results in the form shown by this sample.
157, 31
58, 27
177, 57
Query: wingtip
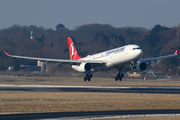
176, 52
6, 53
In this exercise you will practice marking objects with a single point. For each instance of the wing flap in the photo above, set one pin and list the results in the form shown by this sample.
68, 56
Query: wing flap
161, 57
60, 61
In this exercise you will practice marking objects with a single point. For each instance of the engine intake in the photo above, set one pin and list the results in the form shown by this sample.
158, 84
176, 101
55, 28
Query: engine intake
141, 66
85, 67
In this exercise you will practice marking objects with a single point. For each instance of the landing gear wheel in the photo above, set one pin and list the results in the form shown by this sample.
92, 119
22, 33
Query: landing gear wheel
122, 75
119, 74
116, 78
88, 77
85, 79
119, 77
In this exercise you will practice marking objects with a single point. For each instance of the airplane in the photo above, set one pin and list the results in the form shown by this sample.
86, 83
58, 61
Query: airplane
111, 59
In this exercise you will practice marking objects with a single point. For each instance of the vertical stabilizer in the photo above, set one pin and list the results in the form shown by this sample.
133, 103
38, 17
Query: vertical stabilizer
72, 50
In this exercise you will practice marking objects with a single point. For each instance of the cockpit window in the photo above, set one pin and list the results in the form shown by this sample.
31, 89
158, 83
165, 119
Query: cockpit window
136, 48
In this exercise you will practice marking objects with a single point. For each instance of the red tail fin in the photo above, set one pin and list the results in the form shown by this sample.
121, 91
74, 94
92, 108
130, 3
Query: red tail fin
72, 50
176, 52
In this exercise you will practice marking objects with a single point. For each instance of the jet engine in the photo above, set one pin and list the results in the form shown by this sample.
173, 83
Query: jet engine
141, 66
85, 67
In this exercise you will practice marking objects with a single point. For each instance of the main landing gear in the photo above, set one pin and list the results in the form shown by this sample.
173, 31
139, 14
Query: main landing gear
119, 74
88, 77
119, 77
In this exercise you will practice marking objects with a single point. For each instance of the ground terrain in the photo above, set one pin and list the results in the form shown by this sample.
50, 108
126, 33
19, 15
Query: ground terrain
78, 81
27, 101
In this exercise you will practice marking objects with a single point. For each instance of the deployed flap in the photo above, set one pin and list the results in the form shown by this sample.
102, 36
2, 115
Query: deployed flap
63, 61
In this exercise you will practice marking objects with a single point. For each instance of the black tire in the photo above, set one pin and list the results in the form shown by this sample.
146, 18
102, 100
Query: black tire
116, 78
122, 75
89, 79
90, 75
85, 79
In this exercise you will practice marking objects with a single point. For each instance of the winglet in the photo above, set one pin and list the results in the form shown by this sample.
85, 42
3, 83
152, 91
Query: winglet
176, 52
6, 53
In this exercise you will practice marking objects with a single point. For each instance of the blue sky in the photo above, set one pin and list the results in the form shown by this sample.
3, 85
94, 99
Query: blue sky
73, 13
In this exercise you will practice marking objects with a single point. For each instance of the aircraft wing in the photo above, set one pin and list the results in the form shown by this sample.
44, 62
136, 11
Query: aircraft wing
161, 57
59, 61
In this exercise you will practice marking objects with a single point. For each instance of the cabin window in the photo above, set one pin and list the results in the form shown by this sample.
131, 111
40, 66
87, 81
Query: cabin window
136, 48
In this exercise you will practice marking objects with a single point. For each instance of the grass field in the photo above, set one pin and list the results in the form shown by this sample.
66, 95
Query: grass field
78, 81
19, 101
146, 118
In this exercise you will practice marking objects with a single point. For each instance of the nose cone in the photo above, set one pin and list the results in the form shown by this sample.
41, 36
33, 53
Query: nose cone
139, 53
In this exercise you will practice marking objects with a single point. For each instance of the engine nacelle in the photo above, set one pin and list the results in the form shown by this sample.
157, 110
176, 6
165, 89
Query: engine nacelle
141, 66
85, 67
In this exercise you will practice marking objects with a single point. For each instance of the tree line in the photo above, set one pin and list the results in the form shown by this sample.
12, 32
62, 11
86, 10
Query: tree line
88, 39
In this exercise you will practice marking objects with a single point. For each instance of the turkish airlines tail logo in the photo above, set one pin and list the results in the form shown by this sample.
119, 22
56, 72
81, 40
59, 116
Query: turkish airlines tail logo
72, 50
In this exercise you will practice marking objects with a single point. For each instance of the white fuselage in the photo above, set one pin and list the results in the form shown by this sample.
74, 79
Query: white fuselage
115, 57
